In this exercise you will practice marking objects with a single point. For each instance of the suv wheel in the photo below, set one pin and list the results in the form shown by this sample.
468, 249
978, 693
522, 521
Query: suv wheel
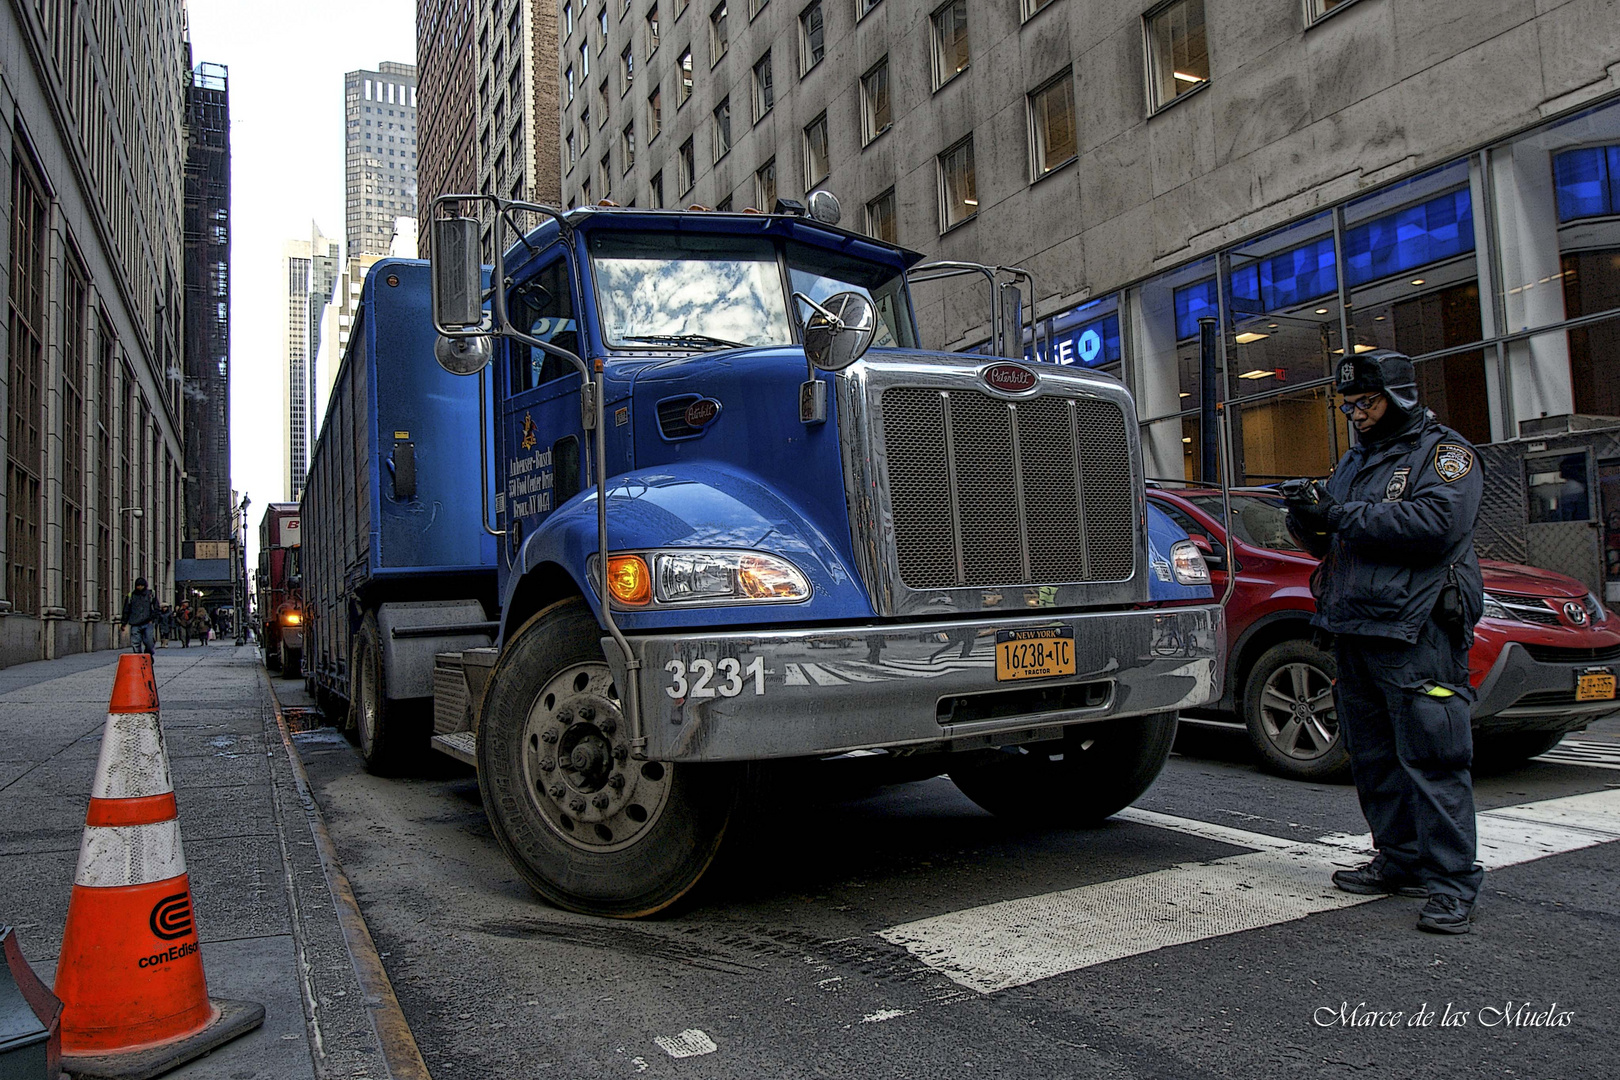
1290, 715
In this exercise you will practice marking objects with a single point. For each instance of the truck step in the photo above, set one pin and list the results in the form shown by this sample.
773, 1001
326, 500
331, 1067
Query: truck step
461, 745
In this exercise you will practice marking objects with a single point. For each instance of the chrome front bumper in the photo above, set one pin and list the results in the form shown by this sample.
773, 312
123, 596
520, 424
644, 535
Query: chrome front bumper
754, 695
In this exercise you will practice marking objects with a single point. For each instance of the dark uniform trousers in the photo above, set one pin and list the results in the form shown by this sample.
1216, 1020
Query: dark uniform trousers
1411, 752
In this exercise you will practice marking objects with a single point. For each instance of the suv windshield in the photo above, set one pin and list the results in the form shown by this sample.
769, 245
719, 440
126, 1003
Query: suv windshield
1260, 519
719, 291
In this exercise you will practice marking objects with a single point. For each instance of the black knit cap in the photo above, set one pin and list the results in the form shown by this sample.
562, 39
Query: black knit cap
1381, 371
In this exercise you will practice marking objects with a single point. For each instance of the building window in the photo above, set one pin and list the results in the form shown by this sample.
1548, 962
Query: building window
686, 78
950, 42
817, 164
607, 177
25, 446
875, 113
880, 218
680, 7
569, 81
686, 165
601, 21
655, 114
765, 186
1052, 139
1316, 9
573, 151
812, 37
75, 335
584, 60
568, 20
862, 7
1030, 7
764, 95
718, 42
958, 194
655, 191
756, 6
585, 129
627, 70
1178, 52
722, 128
724, 205
652, 30
607, 114
627, 147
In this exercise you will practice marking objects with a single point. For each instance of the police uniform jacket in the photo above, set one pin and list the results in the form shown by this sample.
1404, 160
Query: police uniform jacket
1405, 528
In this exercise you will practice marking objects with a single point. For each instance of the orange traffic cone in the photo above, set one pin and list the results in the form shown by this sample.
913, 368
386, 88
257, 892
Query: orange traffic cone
135, 1003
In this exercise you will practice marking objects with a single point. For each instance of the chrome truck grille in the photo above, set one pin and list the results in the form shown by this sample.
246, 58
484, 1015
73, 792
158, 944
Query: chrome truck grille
985, 492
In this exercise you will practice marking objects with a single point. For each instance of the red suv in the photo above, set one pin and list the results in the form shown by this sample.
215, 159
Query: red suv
1543, 662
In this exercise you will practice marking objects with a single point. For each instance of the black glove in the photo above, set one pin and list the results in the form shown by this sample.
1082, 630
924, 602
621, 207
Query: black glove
1311, 504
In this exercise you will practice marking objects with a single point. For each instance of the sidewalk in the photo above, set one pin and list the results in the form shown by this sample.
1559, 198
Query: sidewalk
266, 918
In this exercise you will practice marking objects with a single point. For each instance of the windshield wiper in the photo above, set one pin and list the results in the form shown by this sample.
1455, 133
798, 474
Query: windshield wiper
688, 339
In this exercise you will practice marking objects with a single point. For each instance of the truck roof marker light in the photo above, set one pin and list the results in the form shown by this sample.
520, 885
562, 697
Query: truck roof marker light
629, 580
608, 203
698, 207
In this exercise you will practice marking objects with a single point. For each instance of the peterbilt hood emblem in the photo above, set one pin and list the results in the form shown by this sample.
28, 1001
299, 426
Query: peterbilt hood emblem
1009, 378
701, 413
1575, 613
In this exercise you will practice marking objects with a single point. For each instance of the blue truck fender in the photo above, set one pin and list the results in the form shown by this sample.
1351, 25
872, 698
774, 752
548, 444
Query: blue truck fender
685, 505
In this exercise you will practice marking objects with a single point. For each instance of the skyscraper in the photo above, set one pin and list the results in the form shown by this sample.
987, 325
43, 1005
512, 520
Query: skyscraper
207, 409
513, 109
379, 155
310, 268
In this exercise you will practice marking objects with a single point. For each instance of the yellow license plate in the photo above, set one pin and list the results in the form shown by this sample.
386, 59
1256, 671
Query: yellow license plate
1034, 654
1593, 687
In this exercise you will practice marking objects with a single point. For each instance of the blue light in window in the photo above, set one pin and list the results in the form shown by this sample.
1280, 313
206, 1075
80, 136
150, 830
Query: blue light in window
1587, 182
1194, 302
1409, 238
1091, 344
1287, 279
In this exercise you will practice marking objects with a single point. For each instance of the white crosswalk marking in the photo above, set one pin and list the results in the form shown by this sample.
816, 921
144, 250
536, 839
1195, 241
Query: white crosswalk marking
822, 676
1020, 941
1597, 755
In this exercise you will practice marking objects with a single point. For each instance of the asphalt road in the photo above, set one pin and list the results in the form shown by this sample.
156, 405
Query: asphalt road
903, 932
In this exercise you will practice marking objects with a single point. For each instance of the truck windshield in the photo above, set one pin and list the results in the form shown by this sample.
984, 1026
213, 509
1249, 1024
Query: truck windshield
714, 292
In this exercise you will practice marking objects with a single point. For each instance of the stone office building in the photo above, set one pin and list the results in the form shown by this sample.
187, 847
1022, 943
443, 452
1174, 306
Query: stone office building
1439, 176
92, 148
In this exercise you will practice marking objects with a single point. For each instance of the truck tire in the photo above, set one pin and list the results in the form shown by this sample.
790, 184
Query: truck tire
391, 735
1510, 749
1093, 772
1289, 713
590, 829
292, 661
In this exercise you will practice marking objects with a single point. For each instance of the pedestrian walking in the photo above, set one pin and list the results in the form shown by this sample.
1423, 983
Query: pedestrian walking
182, 624
165, 625
199, 624
1399, 587
140, 616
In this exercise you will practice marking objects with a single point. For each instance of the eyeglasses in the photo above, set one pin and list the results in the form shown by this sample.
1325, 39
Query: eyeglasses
1350, 408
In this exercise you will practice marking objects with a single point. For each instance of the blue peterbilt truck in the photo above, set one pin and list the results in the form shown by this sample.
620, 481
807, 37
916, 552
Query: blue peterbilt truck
817, 539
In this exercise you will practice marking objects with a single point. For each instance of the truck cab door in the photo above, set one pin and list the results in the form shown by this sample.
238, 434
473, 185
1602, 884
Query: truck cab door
544, 461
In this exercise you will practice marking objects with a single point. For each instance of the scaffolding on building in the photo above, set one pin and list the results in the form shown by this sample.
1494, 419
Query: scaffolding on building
207, 406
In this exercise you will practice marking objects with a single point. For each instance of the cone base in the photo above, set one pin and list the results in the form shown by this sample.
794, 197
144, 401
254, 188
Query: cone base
235, 1018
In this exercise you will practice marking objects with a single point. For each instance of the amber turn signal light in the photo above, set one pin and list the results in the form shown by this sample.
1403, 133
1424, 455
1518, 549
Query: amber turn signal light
629, 580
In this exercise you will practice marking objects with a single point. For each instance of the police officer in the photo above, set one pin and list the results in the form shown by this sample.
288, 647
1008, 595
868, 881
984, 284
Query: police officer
1400, 588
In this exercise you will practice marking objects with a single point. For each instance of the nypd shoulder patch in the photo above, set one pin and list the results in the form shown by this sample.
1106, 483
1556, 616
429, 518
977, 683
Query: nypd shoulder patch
1453, 461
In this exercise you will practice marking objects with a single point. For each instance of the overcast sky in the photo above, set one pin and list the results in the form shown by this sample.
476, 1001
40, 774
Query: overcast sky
287, 62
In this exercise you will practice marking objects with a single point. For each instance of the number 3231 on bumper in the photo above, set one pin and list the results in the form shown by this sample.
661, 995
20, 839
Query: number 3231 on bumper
1039, 653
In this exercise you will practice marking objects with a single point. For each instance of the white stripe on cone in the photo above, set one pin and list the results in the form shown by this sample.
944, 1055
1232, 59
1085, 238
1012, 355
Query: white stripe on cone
133, 762
115, 855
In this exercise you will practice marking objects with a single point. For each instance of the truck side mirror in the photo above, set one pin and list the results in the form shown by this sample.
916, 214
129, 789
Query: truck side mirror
458, 294
838, 332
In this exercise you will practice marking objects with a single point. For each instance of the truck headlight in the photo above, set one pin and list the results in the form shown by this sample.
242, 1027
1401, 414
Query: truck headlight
726, 576
291, 618
1187, 563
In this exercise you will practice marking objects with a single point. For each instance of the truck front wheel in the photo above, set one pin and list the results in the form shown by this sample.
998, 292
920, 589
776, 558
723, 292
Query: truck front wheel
1093, 772
588, 827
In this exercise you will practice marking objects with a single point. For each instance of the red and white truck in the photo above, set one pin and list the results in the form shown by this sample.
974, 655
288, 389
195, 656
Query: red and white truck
279, 588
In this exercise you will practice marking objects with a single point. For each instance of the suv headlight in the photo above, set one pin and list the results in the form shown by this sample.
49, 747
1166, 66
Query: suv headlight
1494, 609
1187, 563
703, 577
1595, 609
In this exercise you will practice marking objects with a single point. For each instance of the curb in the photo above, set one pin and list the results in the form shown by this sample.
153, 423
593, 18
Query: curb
399, 1050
